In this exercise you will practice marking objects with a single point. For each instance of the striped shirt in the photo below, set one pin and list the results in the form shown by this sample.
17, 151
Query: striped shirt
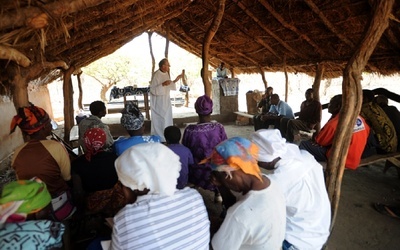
179, 221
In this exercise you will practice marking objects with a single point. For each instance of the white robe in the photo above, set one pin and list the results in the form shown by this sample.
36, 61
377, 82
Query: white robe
160, 103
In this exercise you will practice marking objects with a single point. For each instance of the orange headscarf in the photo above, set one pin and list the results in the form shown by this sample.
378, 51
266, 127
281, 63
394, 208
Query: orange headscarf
236, 153
29, 119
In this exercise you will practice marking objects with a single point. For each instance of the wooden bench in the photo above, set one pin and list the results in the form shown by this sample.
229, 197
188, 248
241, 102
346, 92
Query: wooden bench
392, 160
244, 118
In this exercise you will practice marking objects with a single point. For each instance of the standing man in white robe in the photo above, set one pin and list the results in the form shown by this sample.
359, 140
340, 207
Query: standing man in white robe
160, 101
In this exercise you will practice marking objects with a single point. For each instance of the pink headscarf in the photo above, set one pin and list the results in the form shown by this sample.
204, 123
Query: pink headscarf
95, 139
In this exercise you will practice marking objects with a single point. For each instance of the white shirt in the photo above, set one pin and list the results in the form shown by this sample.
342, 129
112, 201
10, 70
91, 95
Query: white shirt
179, 221
256, 221
308, 208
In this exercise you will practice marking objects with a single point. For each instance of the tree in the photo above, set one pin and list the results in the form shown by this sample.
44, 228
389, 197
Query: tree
109, 71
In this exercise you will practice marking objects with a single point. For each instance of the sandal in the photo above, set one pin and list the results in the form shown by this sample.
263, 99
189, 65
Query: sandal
387, 210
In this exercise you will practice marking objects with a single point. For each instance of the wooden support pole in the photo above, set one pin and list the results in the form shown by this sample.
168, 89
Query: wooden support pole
263, 78
319, 72
286, 79
153, 61
78, 77
167, 40
68, 102
352, 100
206, 45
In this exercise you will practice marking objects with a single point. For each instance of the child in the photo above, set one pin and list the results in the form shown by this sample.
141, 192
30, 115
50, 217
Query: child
173, 135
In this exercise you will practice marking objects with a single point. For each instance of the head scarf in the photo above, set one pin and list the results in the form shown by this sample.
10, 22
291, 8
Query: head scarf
270, 143
149, 165
236, 153
94, 139
203, 105
29, 119
23, 197
132, 118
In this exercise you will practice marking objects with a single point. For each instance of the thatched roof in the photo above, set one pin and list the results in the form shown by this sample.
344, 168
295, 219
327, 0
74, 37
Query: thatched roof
254, 35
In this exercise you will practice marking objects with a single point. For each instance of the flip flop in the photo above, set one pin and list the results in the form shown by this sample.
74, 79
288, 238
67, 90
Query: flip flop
387, 210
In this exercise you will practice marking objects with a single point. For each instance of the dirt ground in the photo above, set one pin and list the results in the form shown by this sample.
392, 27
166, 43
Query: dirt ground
358, 225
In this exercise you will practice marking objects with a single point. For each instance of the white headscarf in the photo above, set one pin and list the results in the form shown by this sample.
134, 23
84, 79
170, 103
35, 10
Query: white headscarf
270, 143
149, 165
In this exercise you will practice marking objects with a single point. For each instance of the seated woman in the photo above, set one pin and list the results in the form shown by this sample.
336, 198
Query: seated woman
201, 138
46, 159
97, 174
133, 121
25, 209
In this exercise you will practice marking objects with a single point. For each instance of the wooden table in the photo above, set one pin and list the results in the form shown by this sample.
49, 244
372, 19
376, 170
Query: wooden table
130, 90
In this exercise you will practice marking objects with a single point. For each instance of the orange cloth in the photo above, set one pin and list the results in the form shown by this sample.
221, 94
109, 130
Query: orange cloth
30, 119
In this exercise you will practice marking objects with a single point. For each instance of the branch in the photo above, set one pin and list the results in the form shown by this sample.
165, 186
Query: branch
14, 55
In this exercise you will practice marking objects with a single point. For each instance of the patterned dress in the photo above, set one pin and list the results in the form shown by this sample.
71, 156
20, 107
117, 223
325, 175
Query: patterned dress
201, 139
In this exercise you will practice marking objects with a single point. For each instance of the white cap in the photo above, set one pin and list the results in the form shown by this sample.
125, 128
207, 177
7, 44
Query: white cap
149, 165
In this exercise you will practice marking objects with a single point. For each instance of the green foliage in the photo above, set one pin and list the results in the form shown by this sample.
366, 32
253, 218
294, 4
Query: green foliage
111, 69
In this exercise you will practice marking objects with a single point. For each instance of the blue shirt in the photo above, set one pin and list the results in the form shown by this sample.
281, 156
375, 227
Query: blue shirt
123, 144
282, 108
186, 159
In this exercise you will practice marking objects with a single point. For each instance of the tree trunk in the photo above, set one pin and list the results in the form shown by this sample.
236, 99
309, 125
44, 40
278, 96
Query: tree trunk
352, 100
206, 45
104, 89
68, 102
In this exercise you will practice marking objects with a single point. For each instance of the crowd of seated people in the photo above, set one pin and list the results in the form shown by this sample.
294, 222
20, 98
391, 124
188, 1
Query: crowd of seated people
148, 182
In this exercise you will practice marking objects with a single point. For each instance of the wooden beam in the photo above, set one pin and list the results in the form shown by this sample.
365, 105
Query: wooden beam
291, 27
328, 24
268, 31
237, 24
12, 54
206, 45
102, 27
352, 100
21, 16
223, 41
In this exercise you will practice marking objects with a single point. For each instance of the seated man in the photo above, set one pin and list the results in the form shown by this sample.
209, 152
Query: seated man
264, 105
278, 110
133, 121
321, 148
301, 178
257, 219
157, 215
381, 125
98, 110
310, 115
392, 112
222, 72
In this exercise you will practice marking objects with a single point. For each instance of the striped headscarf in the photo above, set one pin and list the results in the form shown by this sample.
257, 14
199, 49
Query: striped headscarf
233, 154
94, 139
29, 119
